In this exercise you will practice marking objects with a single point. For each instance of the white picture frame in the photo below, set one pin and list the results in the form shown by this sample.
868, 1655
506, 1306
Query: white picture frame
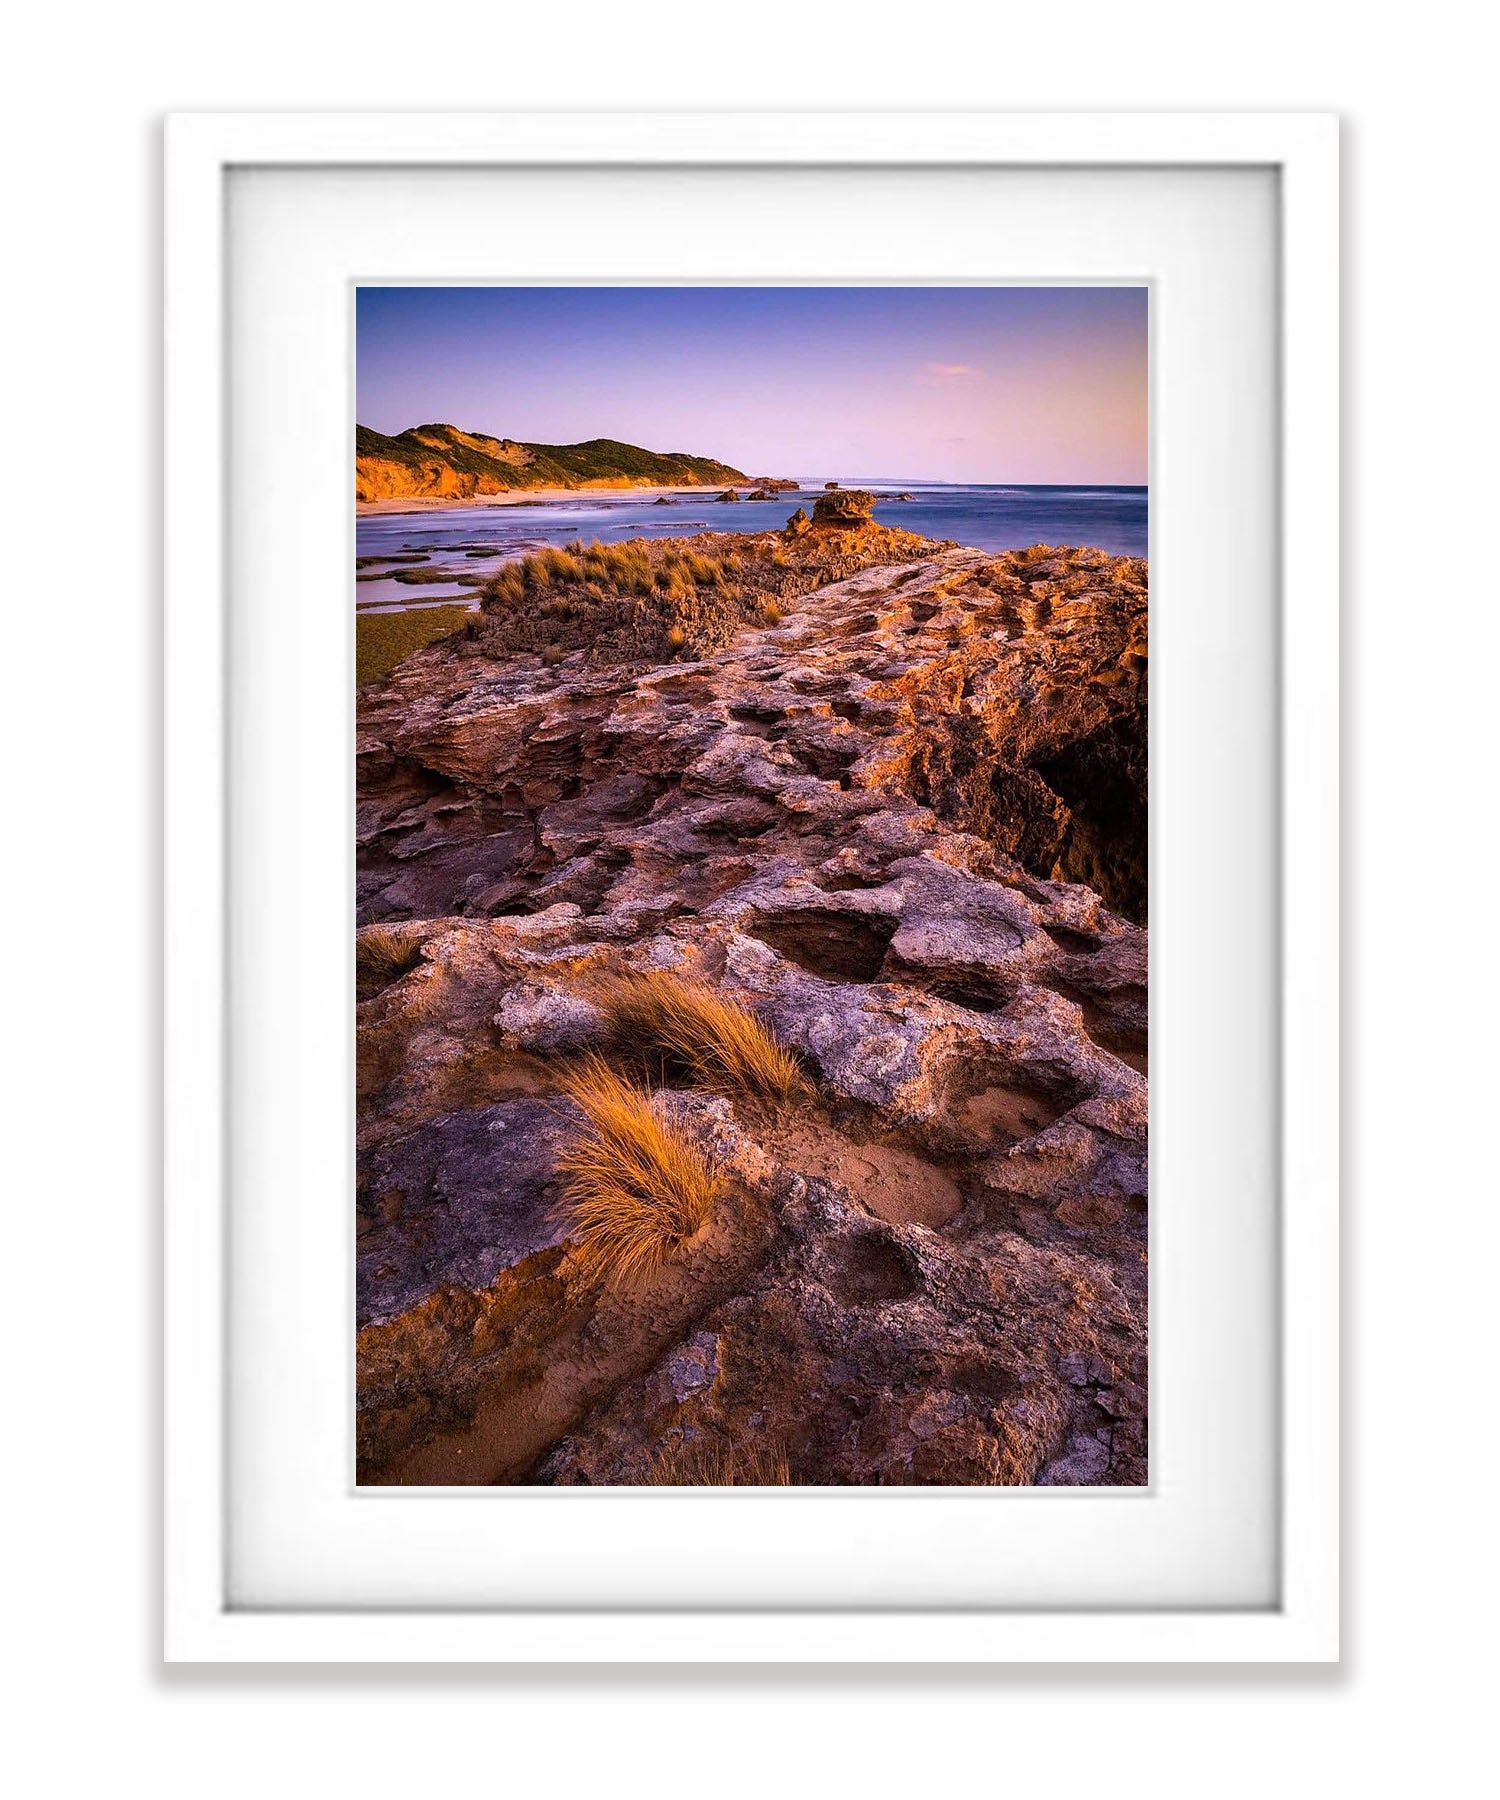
202, 1623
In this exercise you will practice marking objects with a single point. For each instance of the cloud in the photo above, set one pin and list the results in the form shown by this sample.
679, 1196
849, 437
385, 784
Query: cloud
951, 369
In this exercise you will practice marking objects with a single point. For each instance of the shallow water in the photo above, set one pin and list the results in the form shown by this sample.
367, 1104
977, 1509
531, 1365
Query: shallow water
392, 596
472, 539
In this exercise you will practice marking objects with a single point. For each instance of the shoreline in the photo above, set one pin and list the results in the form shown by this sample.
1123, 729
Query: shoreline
550, 496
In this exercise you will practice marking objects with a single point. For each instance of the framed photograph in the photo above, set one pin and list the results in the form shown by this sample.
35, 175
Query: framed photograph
701, 650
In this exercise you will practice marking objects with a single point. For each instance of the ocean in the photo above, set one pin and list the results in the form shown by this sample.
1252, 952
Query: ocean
473, 540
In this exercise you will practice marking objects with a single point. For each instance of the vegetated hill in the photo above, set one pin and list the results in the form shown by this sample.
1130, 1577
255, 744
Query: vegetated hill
443, 462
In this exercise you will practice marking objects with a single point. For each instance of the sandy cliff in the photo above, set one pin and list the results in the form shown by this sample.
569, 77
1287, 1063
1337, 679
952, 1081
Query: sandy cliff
441, 461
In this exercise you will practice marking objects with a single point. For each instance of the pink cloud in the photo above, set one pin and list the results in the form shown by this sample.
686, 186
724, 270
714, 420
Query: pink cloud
937, 368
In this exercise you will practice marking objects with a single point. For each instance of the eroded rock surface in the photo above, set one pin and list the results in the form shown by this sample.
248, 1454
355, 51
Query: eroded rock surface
866, 822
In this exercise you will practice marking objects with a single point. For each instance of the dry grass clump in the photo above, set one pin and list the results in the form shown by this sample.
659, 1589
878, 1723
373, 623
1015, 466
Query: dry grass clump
669, 1025
382, 954
634, 1189
607, 570
652, 600
636, 601
718, 1462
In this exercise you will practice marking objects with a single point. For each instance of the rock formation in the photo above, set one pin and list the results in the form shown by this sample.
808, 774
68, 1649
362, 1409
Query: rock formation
904, 826
843, 507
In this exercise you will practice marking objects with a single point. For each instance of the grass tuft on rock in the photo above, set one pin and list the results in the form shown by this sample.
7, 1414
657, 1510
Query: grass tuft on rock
634, 1189
655, 600
719, 1462
670, 1025
382, 954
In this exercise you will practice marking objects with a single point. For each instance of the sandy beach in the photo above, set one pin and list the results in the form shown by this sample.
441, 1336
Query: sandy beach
541, 496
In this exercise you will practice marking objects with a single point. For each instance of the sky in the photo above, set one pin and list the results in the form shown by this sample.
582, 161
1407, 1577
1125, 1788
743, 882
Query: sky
1019, 384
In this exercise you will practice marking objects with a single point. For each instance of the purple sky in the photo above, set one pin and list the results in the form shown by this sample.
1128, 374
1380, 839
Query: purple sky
943, 384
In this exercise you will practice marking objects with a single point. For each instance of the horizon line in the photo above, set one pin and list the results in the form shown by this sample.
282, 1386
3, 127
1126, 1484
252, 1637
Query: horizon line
809, 480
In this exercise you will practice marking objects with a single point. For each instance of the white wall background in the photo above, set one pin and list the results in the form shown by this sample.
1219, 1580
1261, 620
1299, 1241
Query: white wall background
86, 86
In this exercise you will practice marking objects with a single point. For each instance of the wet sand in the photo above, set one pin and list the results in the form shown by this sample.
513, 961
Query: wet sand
416, 503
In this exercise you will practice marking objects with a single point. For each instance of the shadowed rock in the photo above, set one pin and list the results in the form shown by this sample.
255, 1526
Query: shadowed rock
843, 507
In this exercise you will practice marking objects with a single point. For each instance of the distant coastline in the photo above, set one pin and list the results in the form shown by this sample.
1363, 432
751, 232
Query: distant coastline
538, 496
443, 462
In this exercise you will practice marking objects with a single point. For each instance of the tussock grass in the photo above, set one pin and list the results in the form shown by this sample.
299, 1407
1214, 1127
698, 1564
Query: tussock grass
653, 600
609, 571
382, 954
635, 1190
718, 1462
668, 1024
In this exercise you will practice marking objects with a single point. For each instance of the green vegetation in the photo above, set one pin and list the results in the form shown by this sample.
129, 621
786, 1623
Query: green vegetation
499, 463
381, 640
437, 577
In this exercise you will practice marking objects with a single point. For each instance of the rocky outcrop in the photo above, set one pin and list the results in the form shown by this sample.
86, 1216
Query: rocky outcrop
842, 508
865, 822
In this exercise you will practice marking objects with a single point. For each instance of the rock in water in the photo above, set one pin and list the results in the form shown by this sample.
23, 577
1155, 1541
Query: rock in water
846, 507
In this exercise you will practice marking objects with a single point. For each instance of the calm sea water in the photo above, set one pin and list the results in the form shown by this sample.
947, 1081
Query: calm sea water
473, 540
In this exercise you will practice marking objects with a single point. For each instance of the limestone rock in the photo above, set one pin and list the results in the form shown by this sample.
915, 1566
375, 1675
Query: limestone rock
903, 825
843, 507
545, 1019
